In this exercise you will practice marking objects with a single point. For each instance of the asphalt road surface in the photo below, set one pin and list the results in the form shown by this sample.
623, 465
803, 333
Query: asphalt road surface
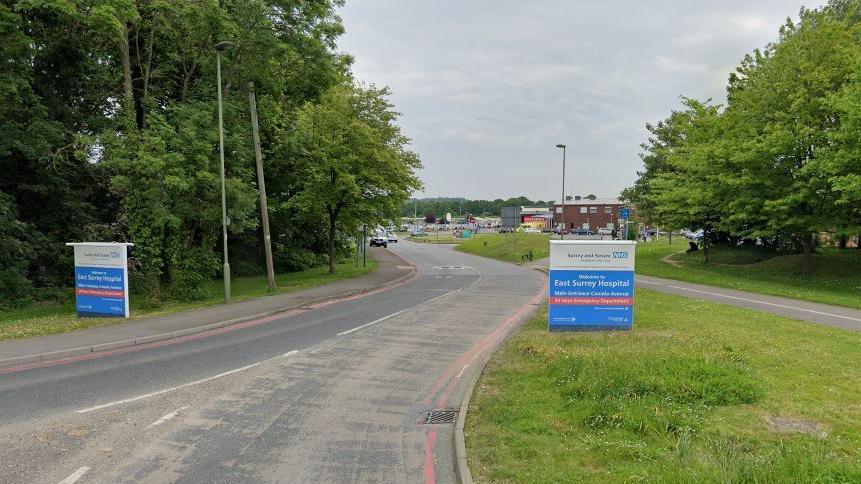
337, 393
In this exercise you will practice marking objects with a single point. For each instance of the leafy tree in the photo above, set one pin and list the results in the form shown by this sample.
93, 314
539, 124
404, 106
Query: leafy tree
355, 164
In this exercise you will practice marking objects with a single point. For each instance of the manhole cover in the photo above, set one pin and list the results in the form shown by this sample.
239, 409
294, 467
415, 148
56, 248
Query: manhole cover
440, 417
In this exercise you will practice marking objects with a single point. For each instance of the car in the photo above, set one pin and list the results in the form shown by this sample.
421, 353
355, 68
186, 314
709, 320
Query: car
418, 233
531, 230
393, 237
698, 235
379, 241
605, 231
582, 232
507, 230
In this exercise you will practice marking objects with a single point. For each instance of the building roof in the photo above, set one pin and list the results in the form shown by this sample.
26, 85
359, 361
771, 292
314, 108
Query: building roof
597, 201
533, 210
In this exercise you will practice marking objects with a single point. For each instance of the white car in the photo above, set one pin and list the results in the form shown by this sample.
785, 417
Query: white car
605, 231
393, 237
531, 230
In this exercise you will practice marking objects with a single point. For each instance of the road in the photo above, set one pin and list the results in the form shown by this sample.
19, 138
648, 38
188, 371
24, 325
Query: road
333, 394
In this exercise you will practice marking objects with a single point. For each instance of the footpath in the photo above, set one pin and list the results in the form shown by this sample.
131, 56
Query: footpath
390, 270
829, 315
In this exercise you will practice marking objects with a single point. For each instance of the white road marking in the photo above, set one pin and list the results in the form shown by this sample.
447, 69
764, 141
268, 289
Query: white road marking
167, 390
167, 417
395, 313
75, 475
460, 373
753, 301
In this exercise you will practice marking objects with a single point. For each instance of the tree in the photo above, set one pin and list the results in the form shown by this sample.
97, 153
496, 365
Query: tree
354, 163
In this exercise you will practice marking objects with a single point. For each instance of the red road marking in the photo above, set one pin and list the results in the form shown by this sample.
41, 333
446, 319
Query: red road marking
449, 378
205, 334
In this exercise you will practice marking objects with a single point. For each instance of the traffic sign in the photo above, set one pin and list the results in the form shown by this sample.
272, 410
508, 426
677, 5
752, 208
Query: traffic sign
624, 213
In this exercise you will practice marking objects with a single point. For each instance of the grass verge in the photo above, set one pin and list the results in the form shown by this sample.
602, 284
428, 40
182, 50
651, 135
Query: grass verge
52, 318
508, 247
837, 279
696, 392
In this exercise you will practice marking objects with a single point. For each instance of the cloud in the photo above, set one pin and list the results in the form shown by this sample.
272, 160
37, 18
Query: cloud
487, 88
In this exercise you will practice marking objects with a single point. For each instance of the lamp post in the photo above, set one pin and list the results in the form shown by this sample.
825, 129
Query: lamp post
561, 232
219, 48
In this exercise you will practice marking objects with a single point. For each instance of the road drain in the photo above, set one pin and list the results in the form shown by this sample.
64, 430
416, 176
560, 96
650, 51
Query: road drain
440, 417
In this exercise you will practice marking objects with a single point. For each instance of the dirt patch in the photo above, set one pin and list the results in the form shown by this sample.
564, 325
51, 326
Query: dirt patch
787, 425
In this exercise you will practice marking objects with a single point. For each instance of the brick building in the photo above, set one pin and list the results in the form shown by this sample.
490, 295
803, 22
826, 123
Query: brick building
585, 213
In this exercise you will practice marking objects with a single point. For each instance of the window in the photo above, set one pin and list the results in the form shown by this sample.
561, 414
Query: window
593, 209
608, 210
558, 209
583, 210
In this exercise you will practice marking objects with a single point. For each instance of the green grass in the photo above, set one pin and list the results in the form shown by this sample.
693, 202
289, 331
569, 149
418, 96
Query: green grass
508, 247
837, 279
686, 396
51, 318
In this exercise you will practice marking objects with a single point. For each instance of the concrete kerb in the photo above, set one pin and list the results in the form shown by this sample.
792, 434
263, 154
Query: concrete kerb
461, 467
82, 350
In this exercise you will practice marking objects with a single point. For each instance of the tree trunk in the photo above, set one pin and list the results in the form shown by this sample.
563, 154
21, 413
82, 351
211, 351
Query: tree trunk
331, 243
843, 241
807, 248
129, 105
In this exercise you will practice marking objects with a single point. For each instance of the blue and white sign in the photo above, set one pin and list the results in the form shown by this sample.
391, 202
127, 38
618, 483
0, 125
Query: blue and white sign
101, 279
591, 285
624, 213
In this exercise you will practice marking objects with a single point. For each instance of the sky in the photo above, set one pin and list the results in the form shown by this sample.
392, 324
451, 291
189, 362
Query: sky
487, 88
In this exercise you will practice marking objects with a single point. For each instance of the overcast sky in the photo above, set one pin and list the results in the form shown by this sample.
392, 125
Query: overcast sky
488, 87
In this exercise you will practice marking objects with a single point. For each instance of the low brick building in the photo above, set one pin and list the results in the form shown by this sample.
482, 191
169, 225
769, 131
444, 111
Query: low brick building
585, 213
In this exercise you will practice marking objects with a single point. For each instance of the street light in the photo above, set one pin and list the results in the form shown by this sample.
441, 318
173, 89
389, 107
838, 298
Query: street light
561, 232
219, 48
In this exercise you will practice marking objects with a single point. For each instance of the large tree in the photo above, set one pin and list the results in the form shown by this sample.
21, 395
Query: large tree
355, 164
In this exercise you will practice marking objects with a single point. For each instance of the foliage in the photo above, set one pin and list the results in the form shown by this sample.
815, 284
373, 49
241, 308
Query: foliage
781, 159
357, 169
438, 207
108, 131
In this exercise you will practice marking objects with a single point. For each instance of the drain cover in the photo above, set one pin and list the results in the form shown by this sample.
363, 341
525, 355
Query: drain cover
440, 417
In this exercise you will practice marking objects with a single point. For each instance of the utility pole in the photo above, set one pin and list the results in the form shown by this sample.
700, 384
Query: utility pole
561, 232
224, 220
261, 187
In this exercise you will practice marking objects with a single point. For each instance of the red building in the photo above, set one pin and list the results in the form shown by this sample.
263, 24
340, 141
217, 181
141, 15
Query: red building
588, 214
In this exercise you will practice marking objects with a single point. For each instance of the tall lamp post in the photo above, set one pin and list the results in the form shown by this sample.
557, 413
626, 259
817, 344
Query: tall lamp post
561, 232
219, 48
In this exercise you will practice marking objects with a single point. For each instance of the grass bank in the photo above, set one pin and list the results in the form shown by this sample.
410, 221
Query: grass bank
43, 319
696, 392
837, 279
508, 247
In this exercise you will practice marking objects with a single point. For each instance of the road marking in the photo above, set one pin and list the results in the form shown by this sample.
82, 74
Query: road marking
75, 475
396, 313
462, 370
753, 301
167, 417
167, 390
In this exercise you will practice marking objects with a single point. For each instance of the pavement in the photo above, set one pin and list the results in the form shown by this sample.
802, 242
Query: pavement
331, 392
390, 269
829, 315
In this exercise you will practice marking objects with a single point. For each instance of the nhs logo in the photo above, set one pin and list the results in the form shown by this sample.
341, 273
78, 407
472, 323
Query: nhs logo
620, 255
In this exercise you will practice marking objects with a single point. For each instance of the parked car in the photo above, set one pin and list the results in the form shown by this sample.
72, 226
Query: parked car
418, 233
605, 231
698, 235
507, 230
379, 241
393, 237
582, 232
531, 230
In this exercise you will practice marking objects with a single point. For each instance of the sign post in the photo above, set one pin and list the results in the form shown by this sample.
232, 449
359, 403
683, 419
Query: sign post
101, 279
591, 285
